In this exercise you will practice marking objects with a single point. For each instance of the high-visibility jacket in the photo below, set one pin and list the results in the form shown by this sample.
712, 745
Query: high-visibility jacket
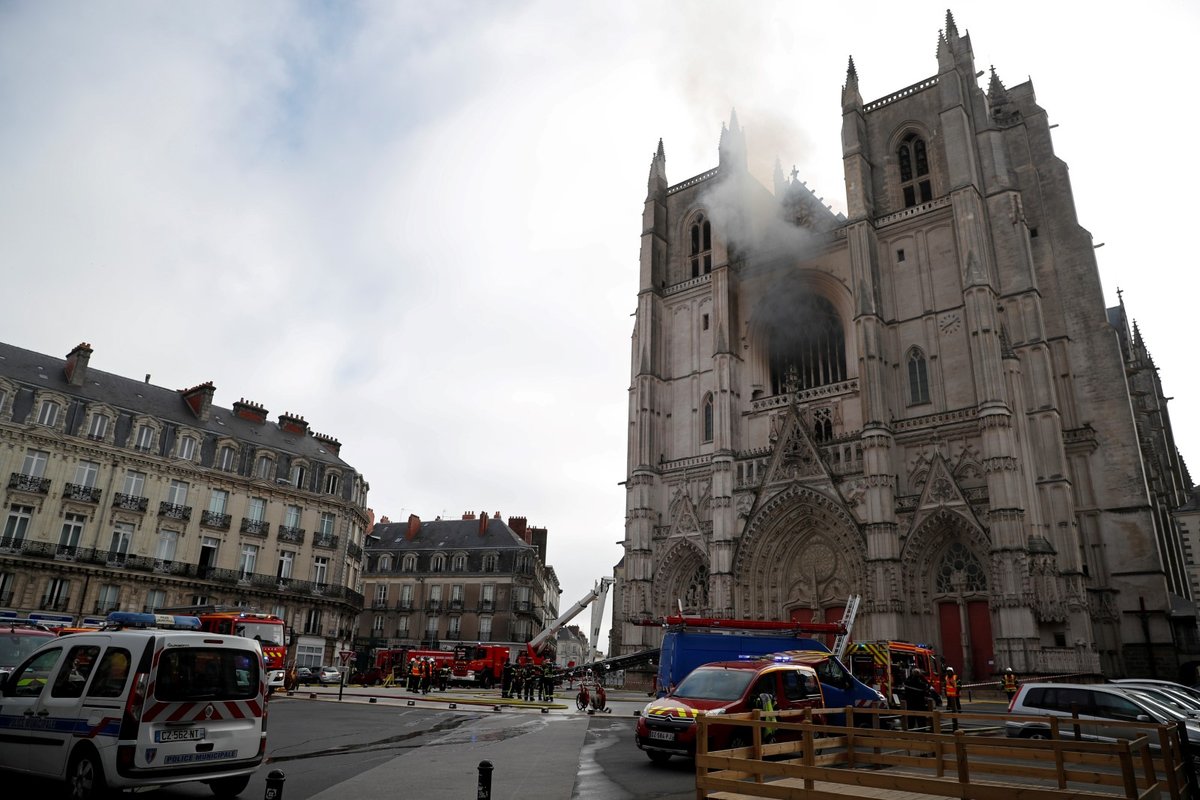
951, 685
1010, 682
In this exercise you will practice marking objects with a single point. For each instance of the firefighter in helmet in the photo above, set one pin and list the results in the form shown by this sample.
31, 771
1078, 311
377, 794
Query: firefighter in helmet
1009, 683
953, 704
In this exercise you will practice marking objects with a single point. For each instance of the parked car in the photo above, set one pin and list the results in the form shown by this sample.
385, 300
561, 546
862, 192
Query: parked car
1174, 700
307, 675
194, 709
19, 638
667, 726
329, 675
1177, 688
1096, 706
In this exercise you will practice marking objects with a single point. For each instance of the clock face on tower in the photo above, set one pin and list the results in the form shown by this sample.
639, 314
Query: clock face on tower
949, 323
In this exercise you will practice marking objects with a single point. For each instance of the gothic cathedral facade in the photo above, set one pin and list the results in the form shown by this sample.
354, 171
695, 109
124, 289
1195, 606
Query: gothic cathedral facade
923, 402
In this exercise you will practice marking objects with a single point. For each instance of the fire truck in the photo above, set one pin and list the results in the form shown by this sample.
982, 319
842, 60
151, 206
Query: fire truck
886, 664
268, 629
481, 663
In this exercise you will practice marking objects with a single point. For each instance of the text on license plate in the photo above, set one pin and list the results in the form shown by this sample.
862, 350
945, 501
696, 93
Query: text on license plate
664, 735
179, 735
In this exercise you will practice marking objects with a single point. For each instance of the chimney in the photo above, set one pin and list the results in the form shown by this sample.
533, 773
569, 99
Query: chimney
414, 527
384, 520
483, 521
199, 399
518, 525
537, 538
290, 423
468, 515
249, 410
331, 444
77, 364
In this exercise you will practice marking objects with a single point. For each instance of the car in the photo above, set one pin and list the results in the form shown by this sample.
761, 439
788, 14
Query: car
1093, 705
307, 675
667, 725
19, 638
1179, 702
1177, 688
147, 701
329, 675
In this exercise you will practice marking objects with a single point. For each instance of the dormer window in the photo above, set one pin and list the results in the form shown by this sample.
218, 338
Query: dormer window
332, 483
187, 447
700, 250
437, 563
225, 458
48, 413
264, 468
914, 171
145, 438
98, 426
459, 562
410, 563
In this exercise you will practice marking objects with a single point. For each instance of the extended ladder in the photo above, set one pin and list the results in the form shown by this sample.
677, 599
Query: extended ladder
843, 639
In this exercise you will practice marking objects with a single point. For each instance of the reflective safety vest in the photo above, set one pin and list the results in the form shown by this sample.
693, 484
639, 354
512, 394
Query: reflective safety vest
952, 685
1010, 682
767, 703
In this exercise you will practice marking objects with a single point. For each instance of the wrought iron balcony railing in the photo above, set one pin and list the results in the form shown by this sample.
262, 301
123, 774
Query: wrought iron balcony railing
105, 606
212, 519
354, 551
255, 527
29, 483
174, 511
286, 534
130, 502
327, 540
85, 494
52, 603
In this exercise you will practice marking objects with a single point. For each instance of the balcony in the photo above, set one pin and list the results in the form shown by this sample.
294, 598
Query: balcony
326, 540
29, 483
354, 551
255, 527
434, 605
130, 502
404, 605
456, 605
173, 511
105, 606
211, 519
380, 604
286, 533
52, 603
12, 543
84, 494
487, 605
522, 605
65, 552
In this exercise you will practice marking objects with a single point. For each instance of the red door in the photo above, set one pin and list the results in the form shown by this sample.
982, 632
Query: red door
951, 648
979, 620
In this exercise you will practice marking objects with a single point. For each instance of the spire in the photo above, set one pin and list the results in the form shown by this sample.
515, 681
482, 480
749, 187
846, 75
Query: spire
732, 148
657, 183
995, 87
951, 28
850, 96
944, 56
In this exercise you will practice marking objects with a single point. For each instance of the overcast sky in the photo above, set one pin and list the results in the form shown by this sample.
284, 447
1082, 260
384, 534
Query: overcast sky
417, 224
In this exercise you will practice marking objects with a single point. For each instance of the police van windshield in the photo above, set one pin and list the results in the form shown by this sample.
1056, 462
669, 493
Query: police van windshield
715, 684
196, 673
263, 631
15, 646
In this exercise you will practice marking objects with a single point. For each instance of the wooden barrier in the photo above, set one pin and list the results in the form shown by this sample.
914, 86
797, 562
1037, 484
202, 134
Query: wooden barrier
808, 760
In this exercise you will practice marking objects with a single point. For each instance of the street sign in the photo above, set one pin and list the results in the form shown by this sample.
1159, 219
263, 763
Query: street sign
346, 656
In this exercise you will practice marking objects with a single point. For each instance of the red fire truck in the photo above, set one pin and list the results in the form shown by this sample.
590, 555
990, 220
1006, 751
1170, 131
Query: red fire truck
268, 629
884, 665
480, 663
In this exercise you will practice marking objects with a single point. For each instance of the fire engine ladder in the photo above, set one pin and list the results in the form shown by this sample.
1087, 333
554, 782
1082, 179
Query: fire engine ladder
843, 639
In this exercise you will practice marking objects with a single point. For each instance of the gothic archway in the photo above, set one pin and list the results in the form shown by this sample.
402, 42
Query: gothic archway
801, 556
682, 579
947, 577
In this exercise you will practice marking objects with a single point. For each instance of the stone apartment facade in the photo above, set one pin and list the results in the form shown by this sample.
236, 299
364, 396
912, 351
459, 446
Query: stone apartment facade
122, 495
434, 584
924, 402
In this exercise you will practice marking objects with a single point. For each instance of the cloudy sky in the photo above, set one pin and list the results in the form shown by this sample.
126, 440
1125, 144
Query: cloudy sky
416, 224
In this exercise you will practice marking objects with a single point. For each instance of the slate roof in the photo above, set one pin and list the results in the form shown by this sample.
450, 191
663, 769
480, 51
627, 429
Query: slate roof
447, 534
138, 397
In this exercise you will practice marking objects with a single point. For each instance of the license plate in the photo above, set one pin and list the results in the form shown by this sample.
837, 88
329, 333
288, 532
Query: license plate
179, 735
666, 736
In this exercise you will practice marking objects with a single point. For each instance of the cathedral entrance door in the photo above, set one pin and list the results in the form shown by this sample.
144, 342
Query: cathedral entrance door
950, 616
980, 621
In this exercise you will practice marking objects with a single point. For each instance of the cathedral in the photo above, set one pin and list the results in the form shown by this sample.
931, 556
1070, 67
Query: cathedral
923, 402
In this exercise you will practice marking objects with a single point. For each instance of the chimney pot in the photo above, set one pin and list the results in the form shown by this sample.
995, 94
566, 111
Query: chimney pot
414, 527
77, 364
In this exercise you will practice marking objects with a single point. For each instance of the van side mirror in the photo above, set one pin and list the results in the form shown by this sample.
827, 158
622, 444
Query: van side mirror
1143, 718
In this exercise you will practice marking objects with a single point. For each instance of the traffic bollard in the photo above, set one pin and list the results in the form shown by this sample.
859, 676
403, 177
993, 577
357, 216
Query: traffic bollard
275, 781
484, 791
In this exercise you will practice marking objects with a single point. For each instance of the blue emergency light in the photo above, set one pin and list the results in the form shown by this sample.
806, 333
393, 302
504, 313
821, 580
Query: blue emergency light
137, 619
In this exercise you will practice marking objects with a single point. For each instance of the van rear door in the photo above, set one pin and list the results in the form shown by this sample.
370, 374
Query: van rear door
205, 704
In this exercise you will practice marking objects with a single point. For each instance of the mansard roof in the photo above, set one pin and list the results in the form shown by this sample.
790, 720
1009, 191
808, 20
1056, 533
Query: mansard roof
446, 534
38, 371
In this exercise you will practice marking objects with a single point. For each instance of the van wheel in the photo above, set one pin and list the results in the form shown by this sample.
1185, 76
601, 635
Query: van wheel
85, 777
658, 756
229, 787
1036, 733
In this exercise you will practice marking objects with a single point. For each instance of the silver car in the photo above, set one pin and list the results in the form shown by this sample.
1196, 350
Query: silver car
1090, 707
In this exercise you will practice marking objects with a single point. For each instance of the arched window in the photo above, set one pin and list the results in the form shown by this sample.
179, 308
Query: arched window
385, 563
914, 171
459, 562
918, 378
700, 249
807, 346
491, 562
226, 458
265, 467
823, 425
437, 563
707, 418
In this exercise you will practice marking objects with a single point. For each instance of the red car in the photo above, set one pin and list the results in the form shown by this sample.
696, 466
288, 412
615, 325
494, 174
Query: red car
667, 726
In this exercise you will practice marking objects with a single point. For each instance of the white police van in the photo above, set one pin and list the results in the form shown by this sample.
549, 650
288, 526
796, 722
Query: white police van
144, 701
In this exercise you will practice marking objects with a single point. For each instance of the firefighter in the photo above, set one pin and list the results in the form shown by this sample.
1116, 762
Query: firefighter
506, 680
916, 696
533, 676
290, 681
953, 704
1009, 682
414, 675
548, 685
426, 675
443, 677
